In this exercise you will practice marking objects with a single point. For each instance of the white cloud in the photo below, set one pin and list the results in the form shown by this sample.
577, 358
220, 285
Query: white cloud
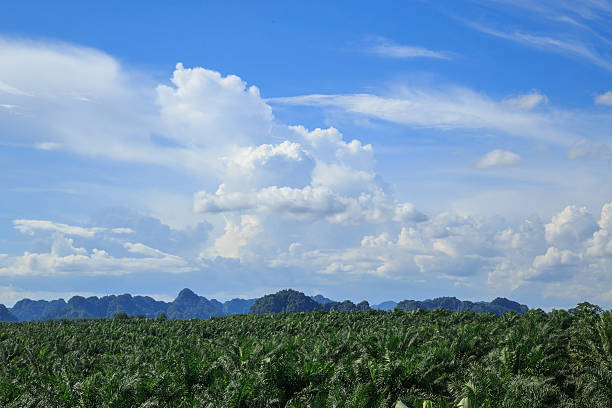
234, 243
527, 101
204, 108
251, 156
570, 227
309, 203
64, 259
30, 226
555, 257
6, 88
456, 108
284, 164
141, 249
304, 200
122, 231
586, 148
572, 247
604, 99
64, 247
385, 48
116, 123
481, 252
571, 47
47, 146
601, 244
498, 158
446, 246
312, 175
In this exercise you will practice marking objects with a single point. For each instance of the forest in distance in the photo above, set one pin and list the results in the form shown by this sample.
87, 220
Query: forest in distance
188, 305
363, 359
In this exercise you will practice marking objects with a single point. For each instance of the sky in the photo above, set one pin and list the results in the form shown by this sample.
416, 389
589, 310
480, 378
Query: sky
378, 151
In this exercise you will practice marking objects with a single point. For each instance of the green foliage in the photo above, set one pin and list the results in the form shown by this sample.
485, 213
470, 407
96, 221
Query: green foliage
318, 359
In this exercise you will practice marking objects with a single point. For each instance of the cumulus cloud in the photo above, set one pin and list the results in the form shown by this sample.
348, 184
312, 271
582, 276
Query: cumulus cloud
570, 227
572, 247
288, 197
308, 175
204, 108
121, 243
234, 243
201, 122
95, 262
315, 175
285, 164
308, 203
555, 257
85, 102
447, 245
64, 258
482, 252
600, 246
123, 224
252, 157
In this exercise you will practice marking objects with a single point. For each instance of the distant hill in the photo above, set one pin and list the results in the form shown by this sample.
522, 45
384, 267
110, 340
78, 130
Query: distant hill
346, 306
188, 305
388, 305
91, 307
498, 306
321, 299
6, 316
237, 306
292, 301
27, 309
285, 301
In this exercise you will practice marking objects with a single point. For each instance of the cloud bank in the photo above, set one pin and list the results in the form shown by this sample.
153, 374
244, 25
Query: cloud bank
287, 202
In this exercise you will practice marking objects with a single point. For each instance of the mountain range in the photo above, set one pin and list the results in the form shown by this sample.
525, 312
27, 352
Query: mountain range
189, 305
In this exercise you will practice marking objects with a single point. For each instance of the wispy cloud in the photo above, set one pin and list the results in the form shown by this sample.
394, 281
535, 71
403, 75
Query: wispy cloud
584, 9
569, 47
29, 226
576, 28
455, 108
9, 89
385, 48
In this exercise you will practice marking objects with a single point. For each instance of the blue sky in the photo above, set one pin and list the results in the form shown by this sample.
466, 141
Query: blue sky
388, 151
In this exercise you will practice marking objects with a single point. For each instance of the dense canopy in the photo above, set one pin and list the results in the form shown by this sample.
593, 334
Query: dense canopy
317, 359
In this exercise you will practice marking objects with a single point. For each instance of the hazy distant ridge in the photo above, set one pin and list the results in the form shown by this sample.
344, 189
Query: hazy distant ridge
189, 305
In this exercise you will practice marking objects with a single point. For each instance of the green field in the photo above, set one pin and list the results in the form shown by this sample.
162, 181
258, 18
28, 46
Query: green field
318, 359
